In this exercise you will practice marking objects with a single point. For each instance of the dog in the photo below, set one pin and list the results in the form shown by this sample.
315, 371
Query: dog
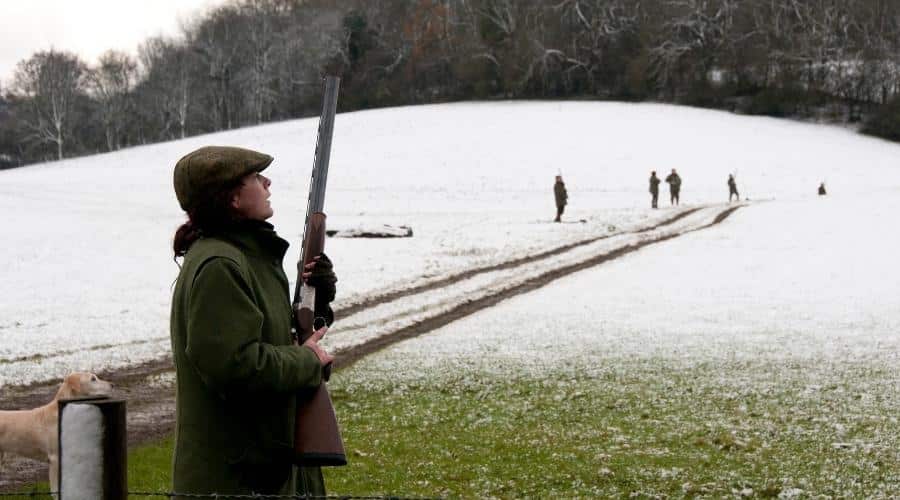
34, 433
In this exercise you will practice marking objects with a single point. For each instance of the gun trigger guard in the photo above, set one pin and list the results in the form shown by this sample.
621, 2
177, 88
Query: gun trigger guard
319, 323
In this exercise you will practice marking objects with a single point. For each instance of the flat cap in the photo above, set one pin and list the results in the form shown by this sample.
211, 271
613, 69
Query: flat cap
202, 173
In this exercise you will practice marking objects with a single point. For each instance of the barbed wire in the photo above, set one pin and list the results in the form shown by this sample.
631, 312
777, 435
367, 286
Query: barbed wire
171, 494
263, 496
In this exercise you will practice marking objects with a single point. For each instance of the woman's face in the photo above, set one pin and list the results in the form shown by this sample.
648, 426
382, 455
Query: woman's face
252, 199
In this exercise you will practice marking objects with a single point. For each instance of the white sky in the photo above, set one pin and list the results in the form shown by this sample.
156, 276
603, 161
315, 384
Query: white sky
86, 27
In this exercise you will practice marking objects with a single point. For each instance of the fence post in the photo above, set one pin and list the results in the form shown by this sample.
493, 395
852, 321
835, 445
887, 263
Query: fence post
92, 449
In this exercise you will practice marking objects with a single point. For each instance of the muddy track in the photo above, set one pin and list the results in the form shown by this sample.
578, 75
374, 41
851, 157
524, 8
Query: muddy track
344, 359
151, 411
432, 285
59, 353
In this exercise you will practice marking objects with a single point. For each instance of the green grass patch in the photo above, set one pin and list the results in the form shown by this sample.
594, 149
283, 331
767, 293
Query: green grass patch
149, 470
640, 429
643, 430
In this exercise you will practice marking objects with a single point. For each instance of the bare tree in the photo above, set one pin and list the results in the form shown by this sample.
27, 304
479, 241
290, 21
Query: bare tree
11, 148
691, 38
51, 81
304, 55
111, 84
260, 29
215, 39
598, 31
166, 86
880, 40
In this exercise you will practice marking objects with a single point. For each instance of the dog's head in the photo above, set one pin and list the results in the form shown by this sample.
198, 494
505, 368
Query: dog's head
77, 384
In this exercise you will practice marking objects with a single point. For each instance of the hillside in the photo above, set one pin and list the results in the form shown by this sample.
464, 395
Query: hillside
87, 268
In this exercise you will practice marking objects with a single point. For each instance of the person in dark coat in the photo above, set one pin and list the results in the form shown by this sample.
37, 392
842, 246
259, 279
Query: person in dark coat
732, 189
562, 197
674, 181
238, 370
822, 189
654, 189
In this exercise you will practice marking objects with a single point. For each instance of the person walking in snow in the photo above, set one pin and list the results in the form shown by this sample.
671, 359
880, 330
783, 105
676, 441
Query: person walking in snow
654, 189
562, 197
732, 189
237, 367
822, 189
674, 181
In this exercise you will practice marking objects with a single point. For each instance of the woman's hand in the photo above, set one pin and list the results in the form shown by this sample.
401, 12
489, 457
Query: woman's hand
319, 274
313, 343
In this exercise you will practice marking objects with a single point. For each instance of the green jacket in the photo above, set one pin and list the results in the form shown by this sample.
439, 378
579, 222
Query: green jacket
559, 192
237, 369
654, 184
674, 181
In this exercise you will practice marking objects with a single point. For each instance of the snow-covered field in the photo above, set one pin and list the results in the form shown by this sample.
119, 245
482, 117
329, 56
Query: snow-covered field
87, 270
770, 339
806, 281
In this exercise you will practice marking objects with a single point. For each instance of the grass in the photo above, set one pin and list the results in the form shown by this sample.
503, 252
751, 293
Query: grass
640, 429
148, 471
632, 428
149, 468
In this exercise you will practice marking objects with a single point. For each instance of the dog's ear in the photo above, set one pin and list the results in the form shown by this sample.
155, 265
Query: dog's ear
65, 388
73, 380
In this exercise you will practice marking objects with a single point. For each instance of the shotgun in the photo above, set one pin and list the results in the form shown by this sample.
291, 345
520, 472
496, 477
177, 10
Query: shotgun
317, 437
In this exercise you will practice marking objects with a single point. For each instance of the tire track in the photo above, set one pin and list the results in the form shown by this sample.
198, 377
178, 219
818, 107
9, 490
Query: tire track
93, 348
349, 356
444, 281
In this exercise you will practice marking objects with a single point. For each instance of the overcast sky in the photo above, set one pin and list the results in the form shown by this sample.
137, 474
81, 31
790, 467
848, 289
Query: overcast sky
86, 27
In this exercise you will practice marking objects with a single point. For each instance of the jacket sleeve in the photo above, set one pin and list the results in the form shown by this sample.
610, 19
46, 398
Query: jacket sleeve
224, 338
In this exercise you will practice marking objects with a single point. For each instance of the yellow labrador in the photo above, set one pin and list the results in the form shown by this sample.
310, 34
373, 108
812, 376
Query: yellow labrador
33, 433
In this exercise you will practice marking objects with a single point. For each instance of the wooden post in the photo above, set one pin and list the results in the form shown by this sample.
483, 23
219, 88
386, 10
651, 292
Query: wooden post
92, 449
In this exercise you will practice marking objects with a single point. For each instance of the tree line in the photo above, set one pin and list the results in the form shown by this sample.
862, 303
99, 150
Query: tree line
253, 61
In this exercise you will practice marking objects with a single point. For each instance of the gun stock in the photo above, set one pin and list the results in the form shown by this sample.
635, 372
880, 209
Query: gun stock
317, 437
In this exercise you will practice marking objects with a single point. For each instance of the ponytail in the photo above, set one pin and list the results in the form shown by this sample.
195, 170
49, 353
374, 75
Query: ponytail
212, 215
185, 236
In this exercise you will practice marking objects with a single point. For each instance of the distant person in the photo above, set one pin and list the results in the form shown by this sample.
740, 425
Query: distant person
674, 181
559, 191
822, 189
654, 189
732, 189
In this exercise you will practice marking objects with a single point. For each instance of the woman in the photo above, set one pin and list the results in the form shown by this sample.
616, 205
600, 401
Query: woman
237, 369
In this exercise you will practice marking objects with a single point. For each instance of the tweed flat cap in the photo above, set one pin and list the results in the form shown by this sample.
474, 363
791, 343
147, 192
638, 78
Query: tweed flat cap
203, 172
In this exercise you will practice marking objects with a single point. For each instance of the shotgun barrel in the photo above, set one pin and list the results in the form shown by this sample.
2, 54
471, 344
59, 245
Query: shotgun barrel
317, 437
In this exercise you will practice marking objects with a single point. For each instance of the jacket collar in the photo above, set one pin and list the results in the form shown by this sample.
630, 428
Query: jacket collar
256, 238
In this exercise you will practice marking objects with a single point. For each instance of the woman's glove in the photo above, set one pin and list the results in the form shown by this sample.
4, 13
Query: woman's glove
322, 278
